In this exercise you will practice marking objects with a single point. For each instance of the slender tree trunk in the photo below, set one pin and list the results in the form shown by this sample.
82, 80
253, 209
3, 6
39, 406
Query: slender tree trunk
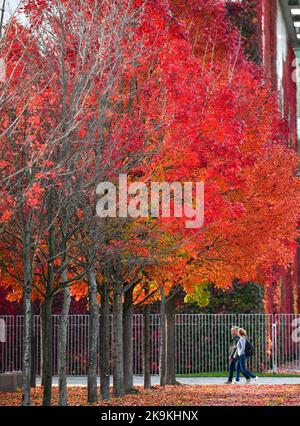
47, 350
27, 290
147, 373
128, 340
104, 343
2, 11
118, 372
33, 354
162, 354
47, 305
62, 345
93, 338
170, 344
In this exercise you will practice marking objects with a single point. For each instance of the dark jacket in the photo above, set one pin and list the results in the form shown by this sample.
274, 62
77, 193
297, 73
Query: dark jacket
233, 342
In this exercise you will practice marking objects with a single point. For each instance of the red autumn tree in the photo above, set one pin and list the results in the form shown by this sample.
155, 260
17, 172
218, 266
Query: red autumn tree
162, 96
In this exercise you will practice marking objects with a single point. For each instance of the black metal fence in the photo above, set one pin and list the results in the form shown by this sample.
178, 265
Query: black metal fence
201, 342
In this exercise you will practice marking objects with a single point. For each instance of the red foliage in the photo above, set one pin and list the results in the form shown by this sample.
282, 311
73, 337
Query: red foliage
180, 396
202, 113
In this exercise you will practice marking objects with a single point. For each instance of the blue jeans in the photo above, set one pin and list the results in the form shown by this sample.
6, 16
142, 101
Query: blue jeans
233, 365
241, 361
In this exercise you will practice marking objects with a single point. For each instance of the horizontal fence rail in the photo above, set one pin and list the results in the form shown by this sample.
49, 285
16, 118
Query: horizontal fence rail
201, 342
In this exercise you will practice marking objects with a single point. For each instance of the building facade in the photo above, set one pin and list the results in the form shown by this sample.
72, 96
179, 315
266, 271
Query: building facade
280, 35
274, 25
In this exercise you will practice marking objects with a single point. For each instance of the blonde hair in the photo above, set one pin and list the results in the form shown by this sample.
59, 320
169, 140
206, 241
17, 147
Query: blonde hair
242, 332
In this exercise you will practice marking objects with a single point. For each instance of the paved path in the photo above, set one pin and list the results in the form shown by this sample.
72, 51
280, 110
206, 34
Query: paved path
138, 380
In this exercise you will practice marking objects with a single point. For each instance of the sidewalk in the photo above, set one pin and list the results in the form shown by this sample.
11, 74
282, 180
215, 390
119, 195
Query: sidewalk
138, 380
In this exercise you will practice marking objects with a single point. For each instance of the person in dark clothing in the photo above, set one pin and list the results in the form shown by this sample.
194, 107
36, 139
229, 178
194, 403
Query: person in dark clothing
232, 361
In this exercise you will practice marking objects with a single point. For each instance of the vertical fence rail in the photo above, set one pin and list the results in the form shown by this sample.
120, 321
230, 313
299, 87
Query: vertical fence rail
201, 342
274, 347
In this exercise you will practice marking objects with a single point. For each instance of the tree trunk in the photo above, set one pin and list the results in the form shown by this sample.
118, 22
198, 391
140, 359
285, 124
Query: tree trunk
47, 305
62, 345
27, 290
104, 343
118, 372
170, 344
47, 350
93, 338
162, 354
128, 340
147, 349
33, 354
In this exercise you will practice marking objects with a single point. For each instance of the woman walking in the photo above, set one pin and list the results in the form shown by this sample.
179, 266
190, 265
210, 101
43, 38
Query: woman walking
240, 355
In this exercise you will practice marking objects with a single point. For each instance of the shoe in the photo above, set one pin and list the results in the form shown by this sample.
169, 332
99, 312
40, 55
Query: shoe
255, 379
228, 382
248, 381
236, 382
